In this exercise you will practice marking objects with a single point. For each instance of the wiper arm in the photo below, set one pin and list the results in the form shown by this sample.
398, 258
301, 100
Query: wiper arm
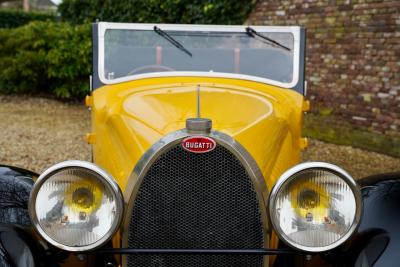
172, 40
251, 32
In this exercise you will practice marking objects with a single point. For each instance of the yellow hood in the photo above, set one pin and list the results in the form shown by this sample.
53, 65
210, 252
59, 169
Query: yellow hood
130, 117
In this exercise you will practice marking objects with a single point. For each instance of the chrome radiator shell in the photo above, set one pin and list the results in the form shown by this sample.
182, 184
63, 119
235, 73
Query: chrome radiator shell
227, 146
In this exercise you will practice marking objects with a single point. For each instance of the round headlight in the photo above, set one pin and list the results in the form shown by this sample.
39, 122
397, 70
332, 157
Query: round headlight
76, 206
315, 206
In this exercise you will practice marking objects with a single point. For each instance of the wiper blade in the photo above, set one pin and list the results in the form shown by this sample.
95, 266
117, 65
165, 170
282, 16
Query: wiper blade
251, 32
172, 40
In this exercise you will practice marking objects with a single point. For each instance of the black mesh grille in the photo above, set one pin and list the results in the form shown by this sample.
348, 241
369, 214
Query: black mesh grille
189, 200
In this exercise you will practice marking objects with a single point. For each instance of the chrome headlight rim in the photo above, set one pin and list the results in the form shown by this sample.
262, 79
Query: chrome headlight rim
289, 176
107, 179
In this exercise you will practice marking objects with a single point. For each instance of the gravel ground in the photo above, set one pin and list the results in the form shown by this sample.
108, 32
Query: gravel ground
359, 163
38, 132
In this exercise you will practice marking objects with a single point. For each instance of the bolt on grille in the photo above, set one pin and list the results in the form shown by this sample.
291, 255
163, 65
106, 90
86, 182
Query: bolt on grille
189, 200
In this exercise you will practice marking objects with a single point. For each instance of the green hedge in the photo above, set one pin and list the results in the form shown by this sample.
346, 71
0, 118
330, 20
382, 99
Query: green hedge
16, 18
157, 11
46, 57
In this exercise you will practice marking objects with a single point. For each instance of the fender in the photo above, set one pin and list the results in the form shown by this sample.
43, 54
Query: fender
17, 247
19, 244
377, 240
15, 244
15, 187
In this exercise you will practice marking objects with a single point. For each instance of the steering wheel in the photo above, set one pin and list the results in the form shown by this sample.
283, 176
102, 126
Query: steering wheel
148, 68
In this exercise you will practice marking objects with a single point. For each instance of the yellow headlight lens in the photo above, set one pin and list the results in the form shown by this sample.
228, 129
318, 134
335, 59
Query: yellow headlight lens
309, 200
84, 197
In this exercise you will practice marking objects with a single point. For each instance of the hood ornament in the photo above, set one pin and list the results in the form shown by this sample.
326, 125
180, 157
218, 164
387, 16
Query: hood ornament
198, 101
198, 125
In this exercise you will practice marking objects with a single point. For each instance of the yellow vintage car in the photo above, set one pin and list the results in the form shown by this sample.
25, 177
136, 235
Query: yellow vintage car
196, 141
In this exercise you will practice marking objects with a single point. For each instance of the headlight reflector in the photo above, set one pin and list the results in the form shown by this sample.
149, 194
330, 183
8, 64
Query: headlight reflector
76, 206
315, 206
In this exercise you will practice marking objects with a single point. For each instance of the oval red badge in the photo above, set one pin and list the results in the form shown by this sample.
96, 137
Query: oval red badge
198, 144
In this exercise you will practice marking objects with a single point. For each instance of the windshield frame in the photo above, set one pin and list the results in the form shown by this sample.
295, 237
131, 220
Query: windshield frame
102, 27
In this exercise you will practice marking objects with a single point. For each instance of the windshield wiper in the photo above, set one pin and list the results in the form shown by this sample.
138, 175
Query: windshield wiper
172, 40
251, 32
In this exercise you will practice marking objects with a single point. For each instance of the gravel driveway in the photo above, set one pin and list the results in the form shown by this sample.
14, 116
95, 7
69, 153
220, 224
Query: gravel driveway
38, 132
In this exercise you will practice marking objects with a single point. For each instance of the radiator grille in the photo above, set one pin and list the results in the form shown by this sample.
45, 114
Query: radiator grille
189, 200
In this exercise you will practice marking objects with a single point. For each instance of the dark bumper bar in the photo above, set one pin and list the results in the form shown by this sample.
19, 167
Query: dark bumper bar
198, 251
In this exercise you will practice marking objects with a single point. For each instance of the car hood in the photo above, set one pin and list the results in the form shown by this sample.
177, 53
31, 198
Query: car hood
128, 118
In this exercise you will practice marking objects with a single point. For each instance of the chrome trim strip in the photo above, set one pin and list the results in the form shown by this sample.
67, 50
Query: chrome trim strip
288, 176
107, 180
103, 26
174, 138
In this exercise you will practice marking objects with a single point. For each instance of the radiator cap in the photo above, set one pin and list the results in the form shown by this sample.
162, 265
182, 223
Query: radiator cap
198, 125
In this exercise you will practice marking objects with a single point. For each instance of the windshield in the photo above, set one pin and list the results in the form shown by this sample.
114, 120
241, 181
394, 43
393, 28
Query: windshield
129, 52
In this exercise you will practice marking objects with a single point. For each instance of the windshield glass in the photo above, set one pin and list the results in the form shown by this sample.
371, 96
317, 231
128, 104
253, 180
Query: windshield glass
130, 52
